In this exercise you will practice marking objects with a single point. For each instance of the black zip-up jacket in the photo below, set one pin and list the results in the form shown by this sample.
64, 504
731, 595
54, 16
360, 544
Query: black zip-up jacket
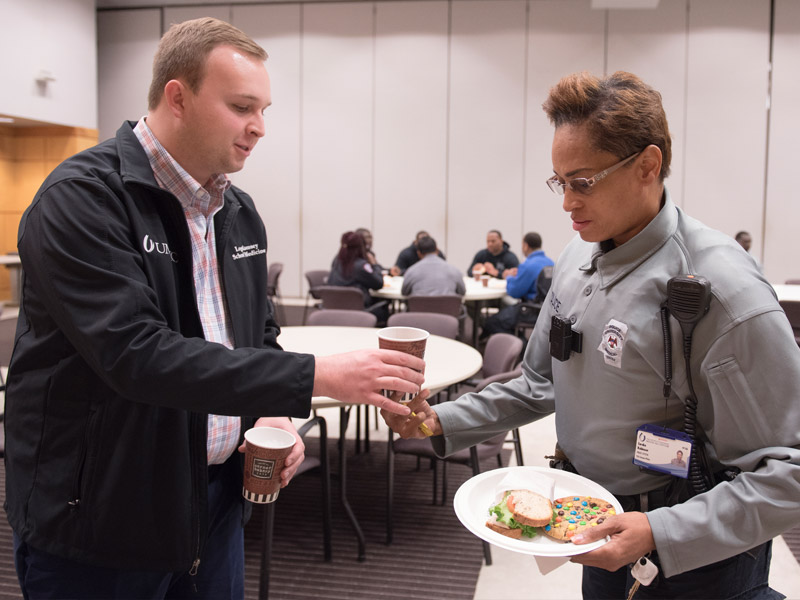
505, 260
111, 381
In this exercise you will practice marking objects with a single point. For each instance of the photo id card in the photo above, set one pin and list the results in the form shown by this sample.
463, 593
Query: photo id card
663, 450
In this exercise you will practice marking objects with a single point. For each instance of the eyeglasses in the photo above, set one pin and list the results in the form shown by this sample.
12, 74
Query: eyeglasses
582, 185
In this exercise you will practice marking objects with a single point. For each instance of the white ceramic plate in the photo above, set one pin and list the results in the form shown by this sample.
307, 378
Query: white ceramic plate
476, 496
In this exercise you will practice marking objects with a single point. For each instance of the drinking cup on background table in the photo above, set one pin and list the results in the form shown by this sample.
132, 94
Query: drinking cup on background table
410, 340
485, 280
266, 449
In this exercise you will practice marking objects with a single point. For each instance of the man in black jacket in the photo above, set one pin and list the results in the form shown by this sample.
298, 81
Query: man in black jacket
495, 258
146, 344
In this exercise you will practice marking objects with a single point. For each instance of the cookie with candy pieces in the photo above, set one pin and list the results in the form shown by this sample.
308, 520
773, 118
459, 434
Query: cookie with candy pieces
573, 514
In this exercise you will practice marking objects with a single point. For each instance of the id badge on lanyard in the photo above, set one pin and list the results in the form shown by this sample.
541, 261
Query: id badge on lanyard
664, 450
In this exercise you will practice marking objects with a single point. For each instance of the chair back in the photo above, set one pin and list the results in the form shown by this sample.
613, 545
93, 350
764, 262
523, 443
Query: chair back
434, 323
501, 353
316, 278
792, 310
449, 304
341, 296
543, 282
273, 274
343, 318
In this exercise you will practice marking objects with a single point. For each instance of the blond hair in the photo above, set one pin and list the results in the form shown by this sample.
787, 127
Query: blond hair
184, 49
624, 115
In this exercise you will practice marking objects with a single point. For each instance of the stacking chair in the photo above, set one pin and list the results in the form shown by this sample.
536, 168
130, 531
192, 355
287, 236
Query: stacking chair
274, 291
529, 309
315, 279
792, 310
341, 297
310, 462
449, 304
434, 323
342, 317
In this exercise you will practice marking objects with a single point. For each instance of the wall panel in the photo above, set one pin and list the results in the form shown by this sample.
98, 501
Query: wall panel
663, 32
127, 40
272, 173
549, 59
726, 114
487, 101
411, 68
337, 138
781, 245
185, 13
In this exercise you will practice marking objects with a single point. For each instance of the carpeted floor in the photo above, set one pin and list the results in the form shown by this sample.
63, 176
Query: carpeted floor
432, 555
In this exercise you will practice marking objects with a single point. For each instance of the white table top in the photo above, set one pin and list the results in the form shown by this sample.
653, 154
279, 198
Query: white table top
495, 289
788, 292
446, 361
9, 259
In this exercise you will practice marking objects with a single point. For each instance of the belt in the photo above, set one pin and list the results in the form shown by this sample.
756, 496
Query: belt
645, 501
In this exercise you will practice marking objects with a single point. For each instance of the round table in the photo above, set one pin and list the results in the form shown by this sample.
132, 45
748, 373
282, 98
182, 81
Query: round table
447, 361
475, 290
787, 292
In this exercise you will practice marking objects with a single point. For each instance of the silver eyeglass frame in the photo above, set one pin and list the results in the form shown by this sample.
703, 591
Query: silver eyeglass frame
584, 184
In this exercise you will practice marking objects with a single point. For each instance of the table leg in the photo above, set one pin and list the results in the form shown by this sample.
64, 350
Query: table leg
266, 554
344, 417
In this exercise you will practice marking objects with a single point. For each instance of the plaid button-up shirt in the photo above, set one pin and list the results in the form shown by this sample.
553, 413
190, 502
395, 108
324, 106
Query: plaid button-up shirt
200, 203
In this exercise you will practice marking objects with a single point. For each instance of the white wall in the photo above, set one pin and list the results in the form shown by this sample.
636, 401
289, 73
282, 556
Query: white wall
426, 114
57, 38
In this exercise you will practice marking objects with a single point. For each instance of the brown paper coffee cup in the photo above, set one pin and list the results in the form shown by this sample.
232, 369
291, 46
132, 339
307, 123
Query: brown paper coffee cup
266, 449
410, 340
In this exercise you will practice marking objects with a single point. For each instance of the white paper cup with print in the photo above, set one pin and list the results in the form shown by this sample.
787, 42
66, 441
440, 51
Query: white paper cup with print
266, 449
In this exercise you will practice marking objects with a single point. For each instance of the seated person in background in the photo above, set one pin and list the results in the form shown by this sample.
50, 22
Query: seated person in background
745, 241
495, 258
351, 268
367, 235
520, 283
431, 275
408, 256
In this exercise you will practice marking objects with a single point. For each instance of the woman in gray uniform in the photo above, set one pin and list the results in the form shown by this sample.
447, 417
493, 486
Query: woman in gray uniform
710, 532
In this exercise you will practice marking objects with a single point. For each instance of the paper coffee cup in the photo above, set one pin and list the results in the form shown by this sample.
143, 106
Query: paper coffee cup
266, 449
410, 340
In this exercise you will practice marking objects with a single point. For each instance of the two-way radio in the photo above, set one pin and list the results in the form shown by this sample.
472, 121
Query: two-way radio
688, 299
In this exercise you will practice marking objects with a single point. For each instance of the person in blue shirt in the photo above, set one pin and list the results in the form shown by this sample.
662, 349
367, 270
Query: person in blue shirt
520, 283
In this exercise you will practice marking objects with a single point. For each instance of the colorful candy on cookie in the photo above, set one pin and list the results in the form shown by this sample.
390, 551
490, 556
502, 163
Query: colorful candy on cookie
573, 514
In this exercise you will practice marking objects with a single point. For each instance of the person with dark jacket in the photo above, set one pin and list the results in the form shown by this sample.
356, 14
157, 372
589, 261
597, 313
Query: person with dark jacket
408, 256
146, 344
352, 268
495, 258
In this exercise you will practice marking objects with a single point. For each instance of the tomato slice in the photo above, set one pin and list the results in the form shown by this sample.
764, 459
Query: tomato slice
510, 503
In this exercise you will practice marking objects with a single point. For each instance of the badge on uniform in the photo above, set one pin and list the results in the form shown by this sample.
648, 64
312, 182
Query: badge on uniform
663, 450
613, 342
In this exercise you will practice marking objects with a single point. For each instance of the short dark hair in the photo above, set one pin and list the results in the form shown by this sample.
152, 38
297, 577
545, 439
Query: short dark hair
741, 234
500, 235
426, 245
624, 114
533, 239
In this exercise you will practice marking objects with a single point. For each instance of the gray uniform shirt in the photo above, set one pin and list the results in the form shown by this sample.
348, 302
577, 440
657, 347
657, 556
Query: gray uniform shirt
745, 370
432, 276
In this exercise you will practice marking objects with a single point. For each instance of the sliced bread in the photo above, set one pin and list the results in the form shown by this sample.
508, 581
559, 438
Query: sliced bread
502, 528
530, 508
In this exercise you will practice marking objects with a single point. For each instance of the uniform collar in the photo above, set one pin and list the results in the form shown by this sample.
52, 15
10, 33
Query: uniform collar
612, 265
